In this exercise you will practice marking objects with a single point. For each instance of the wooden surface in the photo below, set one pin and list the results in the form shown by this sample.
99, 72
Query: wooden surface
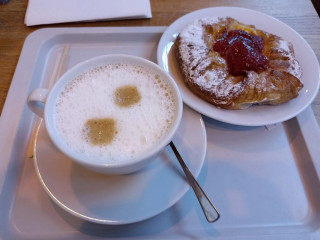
299, 14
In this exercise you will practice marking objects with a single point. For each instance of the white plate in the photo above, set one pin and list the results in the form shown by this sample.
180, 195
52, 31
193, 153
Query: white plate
122, 199
256, 115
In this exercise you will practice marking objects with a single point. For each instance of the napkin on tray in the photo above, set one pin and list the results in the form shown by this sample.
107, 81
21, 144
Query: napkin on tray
59, 11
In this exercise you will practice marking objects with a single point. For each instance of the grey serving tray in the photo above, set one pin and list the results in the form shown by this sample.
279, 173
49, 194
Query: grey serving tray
264, 180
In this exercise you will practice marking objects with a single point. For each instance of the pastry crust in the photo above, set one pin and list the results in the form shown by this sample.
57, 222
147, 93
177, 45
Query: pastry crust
206, 73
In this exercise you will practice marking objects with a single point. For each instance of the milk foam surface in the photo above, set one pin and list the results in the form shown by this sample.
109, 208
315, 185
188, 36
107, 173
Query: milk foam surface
139, 127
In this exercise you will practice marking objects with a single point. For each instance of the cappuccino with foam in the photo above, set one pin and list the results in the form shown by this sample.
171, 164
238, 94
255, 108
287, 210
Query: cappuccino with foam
115, 112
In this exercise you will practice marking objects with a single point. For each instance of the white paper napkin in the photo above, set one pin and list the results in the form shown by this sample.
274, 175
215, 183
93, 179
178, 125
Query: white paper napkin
59, 11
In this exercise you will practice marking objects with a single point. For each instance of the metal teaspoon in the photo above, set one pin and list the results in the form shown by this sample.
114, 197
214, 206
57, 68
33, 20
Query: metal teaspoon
207, 206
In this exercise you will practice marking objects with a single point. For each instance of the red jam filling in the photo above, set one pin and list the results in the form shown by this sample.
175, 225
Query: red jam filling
242, 51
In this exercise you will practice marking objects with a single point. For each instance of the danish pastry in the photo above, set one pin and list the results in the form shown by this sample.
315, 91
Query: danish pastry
233, 66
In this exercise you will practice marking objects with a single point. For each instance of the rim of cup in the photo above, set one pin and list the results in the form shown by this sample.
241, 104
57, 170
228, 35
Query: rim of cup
121, 167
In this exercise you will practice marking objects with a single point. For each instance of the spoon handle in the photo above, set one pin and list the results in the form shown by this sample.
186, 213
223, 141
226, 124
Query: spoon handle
207, 206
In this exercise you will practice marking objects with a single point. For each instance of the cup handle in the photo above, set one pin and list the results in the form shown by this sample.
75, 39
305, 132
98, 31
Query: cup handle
37, 99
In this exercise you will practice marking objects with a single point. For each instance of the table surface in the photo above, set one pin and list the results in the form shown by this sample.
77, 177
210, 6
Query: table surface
299, 14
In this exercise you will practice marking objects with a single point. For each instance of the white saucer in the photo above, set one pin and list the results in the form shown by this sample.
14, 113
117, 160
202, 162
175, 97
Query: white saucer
256, 115
122, 199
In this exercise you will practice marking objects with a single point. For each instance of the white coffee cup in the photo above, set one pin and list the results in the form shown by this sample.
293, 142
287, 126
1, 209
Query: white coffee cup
43, 102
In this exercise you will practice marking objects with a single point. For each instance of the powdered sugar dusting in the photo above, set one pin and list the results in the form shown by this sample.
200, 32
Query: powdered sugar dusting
198, 59
287, 61
207, 70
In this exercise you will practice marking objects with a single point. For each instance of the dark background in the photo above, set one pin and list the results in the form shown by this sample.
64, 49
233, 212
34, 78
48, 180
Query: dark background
316, 4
